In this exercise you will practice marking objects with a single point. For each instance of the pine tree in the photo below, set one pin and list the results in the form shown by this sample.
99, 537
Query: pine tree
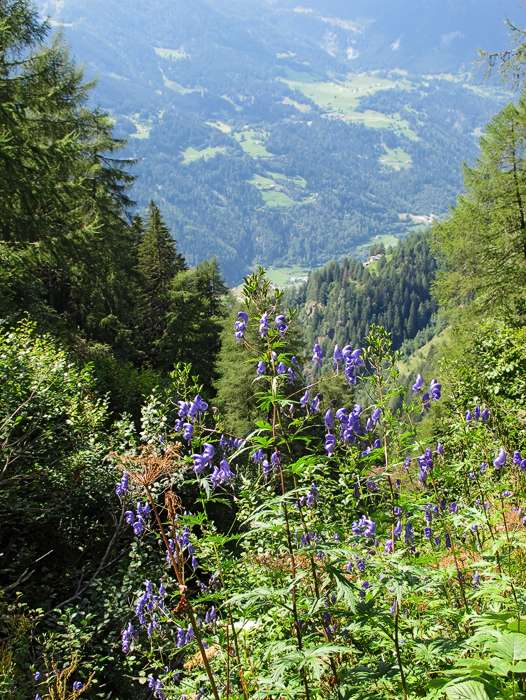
158, 264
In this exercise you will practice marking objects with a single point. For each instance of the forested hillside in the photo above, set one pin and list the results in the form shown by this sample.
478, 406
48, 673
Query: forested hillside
392, 289
209, 496
277, 133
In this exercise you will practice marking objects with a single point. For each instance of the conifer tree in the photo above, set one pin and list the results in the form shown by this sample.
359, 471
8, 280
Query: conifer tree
158, 263
483, 243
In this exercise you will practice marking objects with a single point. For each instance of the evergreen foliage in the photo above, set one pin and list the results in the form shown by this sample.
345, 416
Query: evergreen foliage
343, 299
483, 243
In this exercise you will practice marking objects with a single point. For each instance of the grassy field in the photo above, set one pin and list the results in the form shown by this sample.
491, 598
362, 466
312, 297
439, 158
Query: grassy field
341, 100
396, 159
221, 126
142, 129
287, 276
191, 155
387, 239
300, 106
277, 190
252, 141
171, 54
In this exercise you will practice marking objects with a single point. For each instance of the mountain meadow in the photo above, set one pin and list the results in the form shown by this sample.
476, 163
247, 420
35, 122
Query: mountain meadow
309, 485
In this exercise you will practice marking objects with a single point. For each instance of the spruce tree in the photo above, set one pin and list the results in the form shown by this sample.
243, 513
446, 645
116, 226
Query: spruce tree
158, 261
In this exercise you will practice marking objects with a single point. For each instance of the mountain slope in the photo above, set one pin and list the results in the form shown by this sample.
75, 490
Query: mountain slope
277, 133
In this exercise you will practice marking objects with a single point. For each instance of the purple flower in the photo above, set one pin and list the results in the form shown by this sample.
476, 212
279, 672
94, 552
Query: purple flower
435, 389
315, 404
240, 325
329, 419
312, 496
275, 459
281, 324
188, 431
440, 448
222, 474
337, 357
305, 399
37, 676
426, 403
517, 457
364, 527
122, 487
485, 415
261, 368
263, 325
78, 685
258, 456
330, 444
317, 355
281, 368
389, 547
419, 383
468, 416
476, 413
127, 635
500, 459
475, 579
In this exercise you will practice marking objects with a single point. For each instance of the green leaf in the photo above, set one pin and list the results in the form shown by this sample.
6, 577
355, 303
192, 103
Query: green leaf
469, 690
511, 647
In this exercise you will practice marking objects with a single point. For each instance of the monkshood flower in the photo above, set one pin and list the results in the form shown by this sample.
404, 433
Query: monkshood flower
122, 487
337, 357
157, 687
483, 467
468, 416
265, 465
330, 444
37, 676
317, 355
261, 368
281, 368
447, 540
312, 496
305, 399
435, 389
240, 325
138, 519
353, 361
315, 404
440, 448
426, 403
275, 459
222, 474
428, 533
258, 456
389, 547
281, 324
329, 419
198, 405
211, 616
231, 444
476, 413
364, 527
517, 457
188, 431
425, 465
485, 415
409, 535
291, 375
475, 579
500, 459
127, 635
419, 383
263, 325
78, 685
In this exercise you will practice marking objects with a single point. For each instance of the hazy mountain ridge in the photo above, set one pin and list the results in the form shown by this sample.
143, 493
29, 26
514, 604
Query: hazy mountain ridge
258, 140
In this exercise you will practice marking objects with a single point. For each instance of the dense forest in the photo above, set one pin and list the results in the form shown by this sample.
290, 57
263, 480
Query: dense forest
205, 495
346, 297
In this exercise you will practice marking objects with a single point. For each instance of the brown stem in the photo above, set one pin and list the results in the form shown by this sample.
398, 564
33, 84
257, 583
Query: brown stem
188, 608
